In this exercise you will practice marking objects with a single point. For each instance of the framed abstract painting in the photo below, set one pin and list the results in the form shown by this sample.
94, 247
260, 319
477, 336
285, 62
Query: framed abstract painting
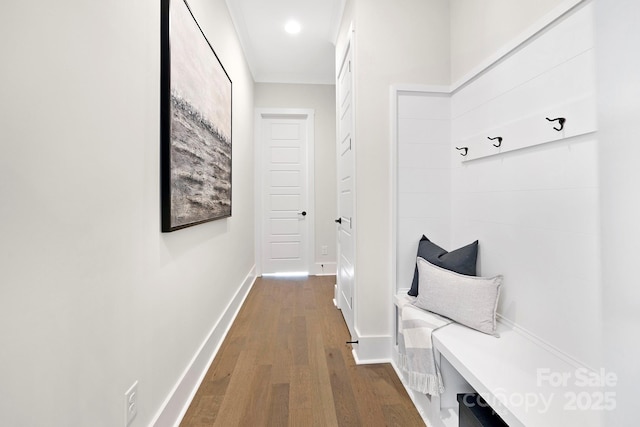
196, 106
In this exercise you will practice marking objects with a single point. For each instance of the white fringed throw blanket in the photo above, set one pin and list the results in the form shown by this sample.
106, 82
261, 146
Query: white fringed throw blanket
415, 346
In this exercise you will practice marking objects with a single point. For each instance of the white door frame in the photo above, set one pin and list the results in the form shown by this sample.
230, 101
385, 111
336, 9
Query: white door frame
299, 113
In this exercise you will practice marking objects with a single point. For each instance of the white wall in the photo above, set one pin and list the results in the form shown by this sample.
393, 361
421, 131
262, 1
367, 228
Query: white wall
618, 68
92, 295
481, 28
394, 43
322, 99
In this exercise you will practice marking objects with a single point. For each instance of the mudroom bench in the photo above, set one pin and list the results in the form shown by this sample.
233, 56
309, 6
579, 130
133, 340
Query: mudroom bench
524, 380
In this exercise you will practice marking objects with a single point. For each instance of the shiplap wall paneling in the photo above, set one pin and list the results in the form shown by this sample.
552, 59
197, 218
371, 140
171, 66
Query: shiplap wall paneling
423, 176
535, 210
551, 76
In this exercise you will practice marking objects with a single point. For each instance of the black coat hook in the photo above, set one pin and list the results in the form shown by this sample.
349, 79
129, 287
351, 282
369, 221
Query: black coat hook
499, 138
560, 120
464, 150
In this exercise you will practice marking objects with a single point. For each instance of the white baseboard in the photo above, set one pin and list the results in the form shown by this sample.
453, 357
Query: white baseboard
372, 349
176, 404
325, 269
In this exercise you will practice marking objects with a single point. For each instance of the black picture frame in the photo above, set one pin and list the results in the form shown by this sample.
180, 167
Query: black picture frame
196, 123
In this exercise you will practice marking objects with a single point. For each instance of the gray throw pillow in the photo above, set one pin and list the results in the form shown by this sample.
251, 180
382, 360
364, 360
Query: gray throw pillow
461, 260
469, 300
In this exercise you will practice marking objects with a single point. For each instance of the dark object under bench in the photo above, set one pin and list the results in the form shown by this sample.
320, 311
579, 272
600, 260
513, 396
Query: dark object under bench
474, 411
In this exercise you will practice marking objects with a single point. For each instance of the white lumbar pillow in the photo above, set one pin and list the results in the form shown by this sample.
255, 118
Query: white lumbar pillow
469, 300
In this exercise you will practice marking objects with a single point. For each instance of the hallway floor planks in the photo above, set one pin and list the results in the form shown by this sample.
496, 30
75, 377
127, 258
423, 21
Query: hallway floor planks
285, 362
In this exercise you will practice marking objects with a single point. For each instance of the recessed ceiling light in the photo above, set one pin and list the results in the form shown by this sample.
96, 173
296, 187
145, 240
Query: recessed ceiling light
292, 27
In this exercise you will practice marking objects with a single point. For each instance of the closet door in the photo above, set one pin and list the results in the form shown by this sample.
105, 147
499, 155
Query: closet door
286, 138
346, 188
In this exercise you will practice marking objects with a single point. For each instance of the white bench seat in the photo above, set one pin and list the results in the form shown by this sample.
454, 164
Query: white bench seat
506, 372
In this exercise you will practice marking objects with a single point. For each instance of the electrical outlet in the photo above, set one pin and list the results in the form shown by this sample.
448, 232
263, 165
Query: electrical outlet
325, 250
130, 404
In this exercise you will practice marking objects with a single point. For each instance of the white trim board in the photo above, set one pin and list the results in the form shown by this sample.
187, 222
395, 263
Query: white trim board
177, 402
541, 25
372, 349
577, 364
408, 87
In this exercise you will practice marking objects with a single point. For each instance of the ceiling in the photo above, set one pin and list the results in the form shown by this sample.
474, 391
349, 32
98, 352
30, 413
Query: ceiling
277, 57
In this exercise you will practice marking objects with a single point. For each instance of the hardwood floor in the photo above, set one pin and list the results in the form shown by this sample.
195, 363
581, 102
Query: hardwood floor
285, 362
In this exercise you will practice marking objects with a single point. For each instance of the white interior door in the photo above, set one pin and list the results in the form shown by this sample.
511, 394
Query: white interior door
285, 187
346, 201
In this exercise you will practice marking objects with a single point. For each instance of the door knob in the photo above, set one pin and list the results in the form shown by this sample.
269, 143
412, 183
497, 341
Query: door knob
303, 213
339, 220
